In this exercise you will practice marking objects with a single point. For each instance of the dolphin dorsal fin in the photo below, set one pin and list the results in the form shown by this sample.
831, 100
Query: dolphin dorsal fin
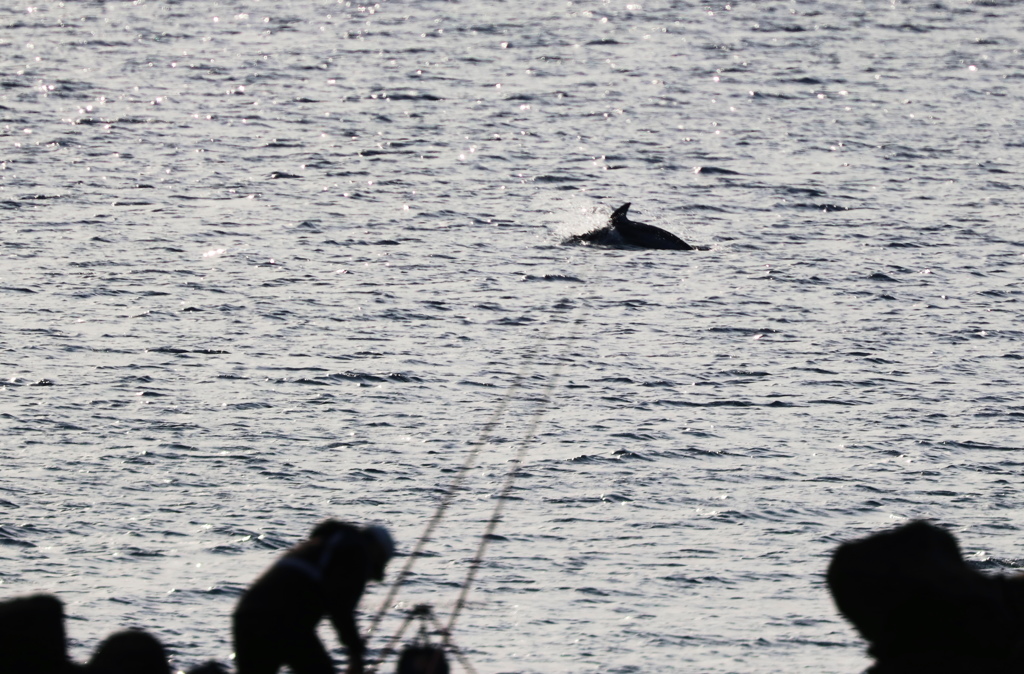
620, 212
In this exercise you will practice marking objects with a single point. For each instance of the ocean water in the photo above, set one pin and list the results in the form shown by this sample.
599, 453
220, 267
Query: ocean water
270, 262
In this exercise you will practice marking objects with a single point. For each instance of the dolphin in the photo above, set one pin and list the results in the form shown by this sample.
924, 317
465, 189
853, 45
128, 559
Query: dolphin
620, 230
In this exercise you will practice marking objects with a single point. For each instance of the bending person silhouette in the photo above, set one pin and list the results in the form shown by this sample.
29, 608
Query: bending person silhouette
275, 620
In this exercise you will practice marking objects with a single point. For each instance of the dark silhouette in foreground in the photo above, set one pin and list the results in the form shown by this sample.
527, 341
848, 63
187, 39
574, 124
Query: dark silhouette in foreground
922, 608
422, 659
129, 652
210, 667
621, 231
32, 636
275, 620
33, 641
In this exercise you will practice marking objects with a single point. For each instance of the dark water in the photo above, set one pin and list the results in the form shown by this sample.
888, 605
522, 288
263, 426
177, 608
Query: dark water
269, 262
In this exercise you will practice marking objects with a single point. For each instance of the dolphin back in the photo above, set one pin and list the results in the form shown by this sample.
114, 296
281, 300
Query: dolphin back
649, 236
644, 235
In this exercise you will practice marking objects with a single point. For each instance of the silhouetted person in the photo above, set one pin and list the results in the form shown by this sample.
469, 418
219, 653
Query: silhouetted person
129, 652
275, 620
911, 595
32, 636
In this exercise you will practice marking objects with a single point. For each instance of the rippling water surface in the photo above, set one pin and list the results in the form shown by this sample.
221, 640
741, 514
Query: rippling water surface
269, 262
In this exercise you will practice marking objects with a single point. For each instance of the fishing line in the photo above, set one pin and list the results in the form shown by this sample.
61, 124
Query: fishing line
543, 406
510, 476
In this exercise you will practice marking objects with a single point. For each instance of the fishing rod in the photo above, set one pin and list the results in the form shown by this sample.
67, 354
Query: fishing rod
449, 495
423, 611
499, 506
